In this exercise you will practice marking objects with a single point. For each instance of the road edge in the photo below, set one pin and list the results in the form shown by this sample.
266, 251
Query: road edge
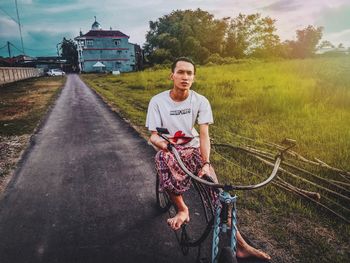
23, 156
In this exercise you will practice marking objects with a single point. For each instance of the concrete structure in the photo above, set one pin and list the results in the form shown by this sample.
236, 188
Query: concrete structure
109, 47
12, 74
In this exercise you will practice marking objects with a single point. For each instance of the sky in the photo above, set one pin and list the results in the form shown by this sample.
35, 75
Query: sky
46, 22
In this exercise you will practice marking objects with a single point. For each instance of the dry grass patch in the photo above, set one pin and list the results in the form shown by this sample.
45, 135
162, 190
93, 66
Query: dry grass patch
22, 106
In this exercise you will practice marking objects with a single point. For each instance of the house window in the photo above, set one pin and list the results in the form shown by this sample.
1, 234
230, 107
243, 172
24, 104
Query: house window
118, 64
82, 43
117, 42
90, 42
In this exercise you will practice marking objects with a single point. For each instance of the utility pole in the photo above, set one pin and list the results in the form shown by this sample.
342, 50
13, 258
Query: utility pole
9, 49
19, 25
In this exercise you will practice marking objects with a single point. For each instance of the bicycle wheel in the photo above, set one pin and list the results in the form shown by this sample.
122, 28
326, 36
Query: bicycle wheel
226, 256
201, 209
163, 199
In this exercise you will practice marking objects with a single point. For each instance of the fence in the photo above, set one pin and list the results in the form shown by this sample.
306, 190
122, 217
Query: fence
11, 74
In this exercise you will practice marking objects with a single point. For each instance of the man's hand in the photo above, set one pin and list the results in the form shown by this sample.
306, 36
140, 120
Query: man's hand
158, 142
205, 170
163, 145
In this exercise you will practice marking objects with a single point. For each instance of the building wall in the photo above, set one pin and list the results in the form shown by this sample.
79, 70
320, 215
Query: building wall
115, 53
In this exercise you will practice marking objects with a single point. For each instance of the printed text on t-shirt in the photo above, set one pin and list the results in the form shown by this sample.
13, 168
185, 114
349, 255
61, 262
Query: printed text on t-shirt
180, 112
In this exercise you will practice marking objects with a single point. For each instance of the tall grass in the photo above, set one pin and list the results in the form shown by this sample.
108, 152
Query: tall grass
306, 100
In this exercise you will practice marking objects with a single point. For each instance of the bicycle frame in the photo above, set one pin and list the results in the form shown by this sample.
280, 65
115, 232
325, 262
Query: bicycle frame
225, 198
220, 224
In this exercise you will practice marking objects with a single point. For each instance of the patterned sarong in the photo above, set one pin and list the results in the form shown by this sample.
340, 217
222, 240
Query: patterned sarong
171, 176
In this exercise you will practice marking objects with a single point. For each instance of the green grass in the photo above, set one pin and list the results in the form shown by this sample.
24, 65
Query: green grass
306, 100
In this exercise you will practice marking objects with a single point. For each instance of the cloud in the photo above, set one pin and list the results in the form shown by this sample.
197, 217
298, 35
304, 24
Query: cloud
54, 2
8, 28
283, 6
44, 42
339, 37
62, 9
45, 20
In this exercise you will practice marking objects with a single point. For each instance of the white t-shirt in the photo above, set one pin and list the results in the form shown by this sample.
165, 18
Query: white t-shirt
179, 117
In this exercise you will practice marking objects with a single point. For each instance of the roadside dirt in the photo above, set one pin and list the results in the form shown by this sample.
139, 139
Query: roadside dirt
11, 148
258, 228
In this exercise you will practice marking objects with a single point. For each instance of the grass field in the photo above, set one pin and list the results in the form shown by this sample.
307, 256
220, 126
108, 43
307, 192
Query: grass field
306, 100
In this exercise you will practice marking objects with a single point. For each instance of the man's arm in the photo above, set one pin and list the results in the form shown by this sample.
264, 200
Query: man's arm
204, 148
158, 141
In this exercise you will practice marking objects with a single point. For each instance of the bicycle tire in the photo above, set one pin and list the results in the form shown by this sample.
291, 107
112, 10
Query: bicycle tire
162, 198
226, 256
201, 215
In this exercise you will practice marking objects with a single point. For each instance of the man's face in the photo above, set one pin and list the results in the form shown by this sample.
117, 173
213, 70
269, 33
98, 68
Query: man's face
183, 75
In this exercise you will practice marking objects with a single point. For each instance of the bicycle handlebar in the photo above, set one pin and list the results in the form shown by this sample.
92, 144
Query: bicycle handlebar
228, 187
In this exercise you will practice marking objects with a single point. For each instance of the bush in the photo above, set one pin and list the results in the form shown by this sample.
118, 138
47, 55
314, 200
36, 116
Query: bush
215, 59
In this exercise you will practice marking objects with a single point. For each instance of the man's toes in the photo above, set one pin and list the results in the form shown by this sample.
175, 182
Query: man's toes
178, 225
170, 222
264, 255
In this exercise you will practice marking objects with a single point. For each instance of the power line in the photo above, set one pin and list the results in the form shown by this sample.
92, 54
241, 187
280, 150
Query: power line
9, 44
32, 49
4, 46
3, 10
16, 47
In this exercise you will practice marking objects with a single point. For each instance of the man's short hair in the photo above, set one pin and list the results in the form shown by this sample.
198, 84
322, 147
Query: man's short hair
186, 59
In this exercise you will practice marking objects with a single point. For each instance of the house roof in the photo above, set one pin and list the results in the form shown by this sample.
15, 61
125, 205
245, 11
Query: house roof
17, 59
104, 33
96, 26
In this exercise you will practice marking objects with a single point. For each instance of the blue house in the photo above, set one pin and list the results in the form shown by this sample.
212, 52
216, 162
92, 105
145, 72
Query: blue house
107, 50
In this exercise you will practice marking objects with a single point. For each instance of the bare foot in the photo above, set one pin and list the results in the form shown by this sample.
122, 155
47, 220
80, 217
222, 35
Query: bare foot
248, 251
181, 217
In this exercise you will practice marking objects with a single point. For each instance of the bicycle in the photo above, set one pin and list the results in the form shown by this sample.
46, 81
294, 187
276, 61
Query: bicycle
216, 218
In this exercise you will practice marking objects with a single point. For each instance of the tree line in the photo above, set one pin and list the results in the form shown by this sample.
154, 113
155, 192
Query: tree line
204, 38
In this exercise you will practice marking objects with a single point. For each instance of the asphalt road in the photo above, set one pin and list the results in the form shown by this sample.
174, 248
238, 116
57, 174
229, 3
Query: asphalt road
85, 191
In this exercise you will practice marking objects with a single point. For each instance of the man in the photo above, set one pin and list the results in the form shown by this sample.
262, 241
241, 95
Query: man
177, 110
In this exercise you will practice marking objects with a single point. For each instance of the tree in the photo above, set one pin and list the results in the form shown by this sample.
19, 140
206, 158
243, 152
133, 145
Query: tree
69, 52
192, 33
160, 55
326, 44
251, 35
307, 40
